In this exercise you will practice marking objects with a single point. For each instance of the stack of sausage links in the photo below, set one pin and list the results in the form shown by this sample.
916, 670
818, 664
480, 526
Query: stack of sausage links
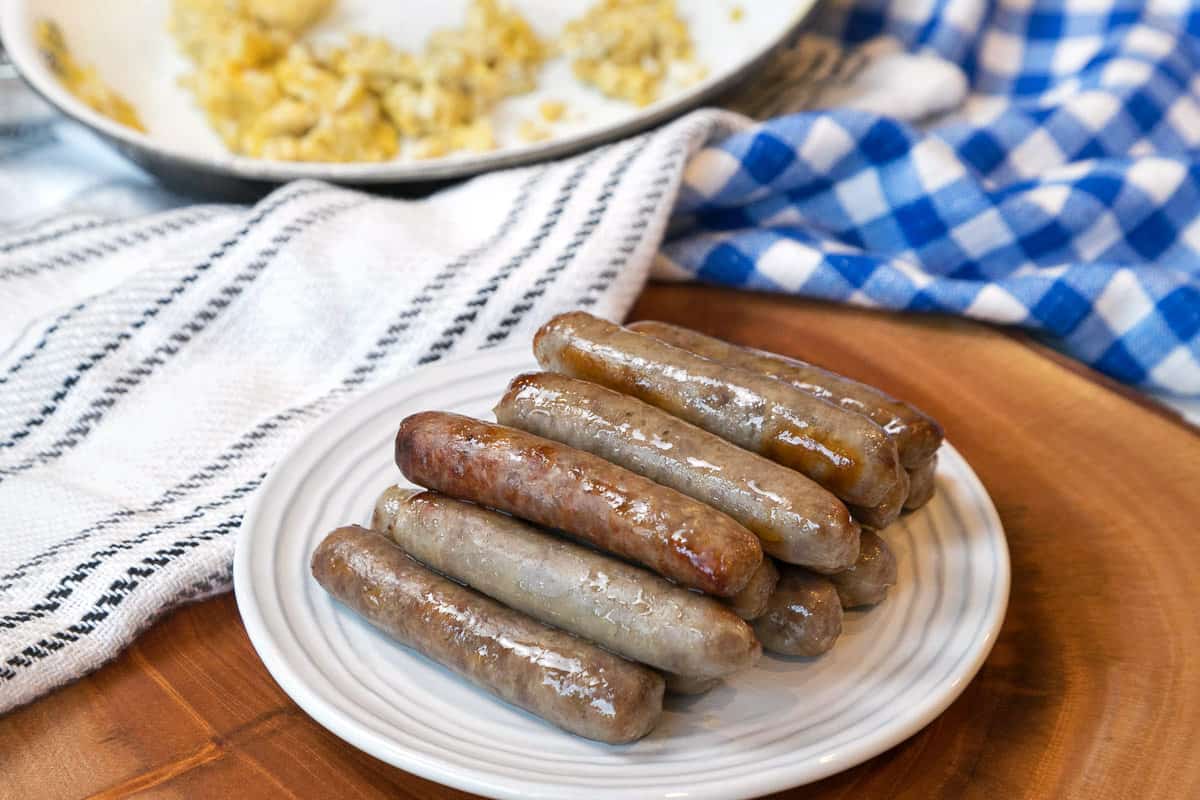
626, 499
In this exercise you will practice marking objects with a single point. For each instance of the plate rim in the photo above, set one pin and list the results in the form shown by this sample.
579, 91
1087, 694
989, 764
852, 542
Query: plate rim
354, 734
22, 53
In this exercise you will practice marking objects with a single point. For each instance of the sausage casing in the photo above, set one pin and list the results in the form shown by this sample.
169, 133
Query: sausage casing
688, 686
804, 617
624, 608
751, 602
843, 451
560, 487
796, 520
917, 435
868, 581
880, 516
562, 679
922, 483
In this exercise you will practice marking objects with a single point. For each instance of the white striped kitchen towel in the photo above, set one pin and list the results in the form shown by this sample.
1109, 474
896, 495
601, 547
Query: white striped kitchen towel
153, 370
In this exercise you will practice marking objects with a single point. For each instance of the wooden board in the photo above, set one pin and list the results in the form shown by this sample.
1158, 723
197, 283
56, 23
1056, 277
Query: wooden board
1091, 691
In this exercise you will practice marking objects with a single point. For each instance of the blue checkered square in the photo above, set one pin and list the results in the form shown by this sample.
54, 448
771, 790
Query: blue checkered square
1152, 236
1072, 209
767, 158
920, 222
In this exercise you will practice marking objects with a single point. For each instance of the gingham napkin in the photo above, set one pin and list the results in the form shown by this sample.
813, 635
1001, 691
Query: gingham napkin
1064, 196
153, 369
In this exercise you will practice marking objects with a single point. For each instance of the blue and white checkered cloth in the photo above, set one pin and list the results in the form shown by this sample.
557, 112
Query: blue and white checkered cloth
1063, 196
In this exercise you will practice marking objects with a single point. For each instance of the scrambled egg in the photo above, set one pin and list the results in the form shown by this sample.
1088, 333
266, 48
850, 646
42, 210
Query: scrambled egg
82, 81
269, 95
552, 110
530, 131
628, 48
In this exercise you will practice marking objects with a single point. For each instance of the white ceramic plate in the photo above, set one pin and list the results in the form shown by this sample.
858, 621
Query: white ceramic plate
127, 42
787, 722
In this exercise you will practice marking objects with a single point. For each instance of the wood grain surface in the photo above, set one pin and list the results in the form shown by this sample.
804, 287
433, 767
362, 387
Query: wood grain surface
1091, 691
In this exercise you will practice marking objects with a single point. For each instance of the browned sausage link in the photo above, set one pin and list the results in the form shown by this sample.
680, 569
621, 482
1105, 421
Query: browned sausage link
796, 520
880, 516
751, 602
917, 435
843, 451
687, 685
804, 617
868, 581
564, 680
922, 481
624, 608
561, 487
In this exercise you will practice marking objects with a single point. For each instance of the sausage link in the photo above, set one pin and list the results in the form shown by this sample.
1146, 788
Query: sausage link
687, 685
796, 520
880, 516
917, 435
868, 581
751, 602
922, 482
843, 451
562, 679
560, 487
804, 617
624, 608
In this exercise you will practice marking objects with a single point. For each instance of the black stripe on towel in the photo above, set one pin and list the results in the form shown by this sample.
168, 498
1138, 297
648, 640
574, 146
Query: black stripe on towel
452, 333
150, 313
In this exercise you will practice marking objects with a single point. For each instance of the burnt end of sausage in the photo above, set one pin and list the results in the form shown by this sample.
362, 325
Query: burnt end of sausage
881, 516
796, 520
868, 581
917, 435
561, 487
843, 451
752, 601
803, 617
617, 605
922, 481
560, 678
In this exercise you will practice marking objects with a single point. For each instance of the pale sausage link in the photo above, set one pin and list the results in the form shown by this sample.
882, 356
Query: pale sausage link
868, 581
922, 483
562, 679
804, 617
624, 608
751, 602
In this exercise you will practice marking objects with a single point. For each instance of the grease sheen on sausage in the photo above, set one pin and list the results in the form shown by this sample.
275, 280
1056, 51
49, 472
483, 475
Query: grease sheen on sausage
560, 487
804, 617
562, 679
917, 435
621, 607
868, 581
843, 451
796, 520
